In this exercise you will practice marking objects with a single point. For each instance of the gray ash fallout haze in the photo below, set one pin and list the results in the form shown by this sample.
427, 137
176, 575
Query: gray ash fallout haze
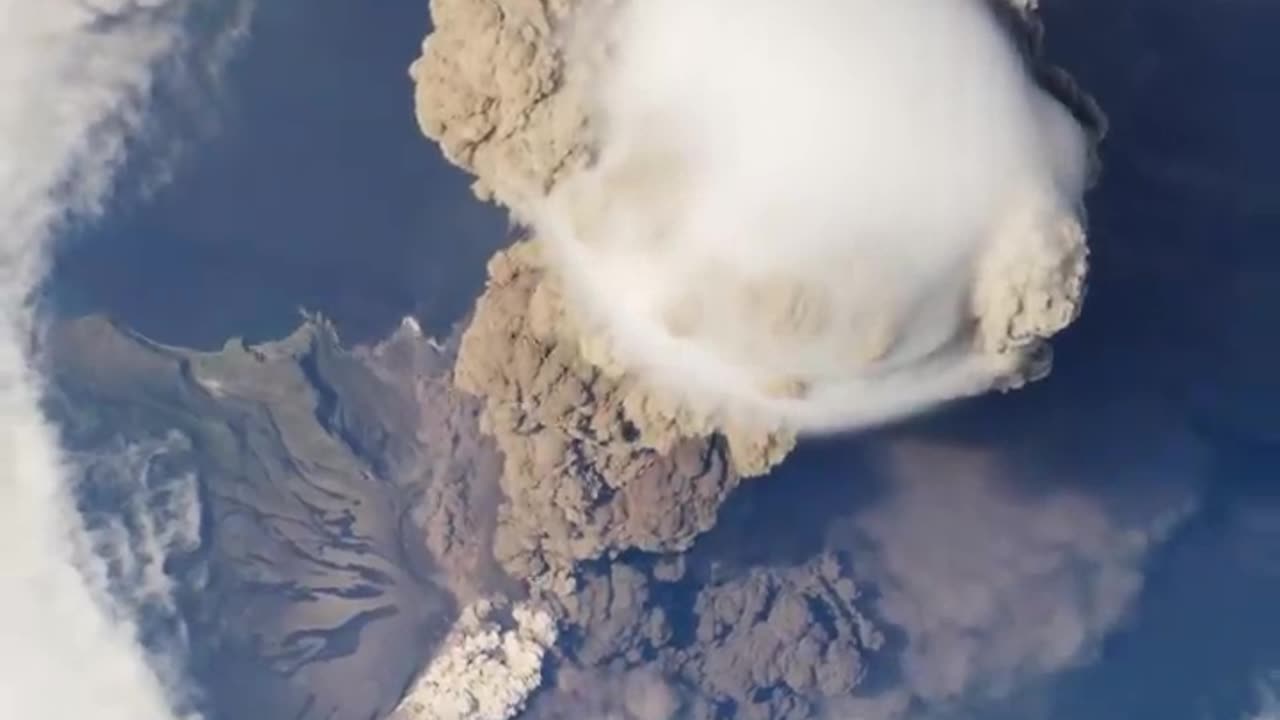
1192, 92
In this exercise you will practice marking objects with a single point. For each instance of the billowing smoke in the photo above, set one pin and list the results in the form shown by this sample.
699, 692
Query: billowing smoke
491, 663
76, 75
817, 214
603, 695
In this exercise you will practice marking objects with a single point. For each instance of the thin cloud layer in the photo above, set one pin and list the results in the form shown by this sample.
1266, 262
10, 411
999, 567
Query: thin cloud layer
77, 74
1268, 697
141, 515
994, 571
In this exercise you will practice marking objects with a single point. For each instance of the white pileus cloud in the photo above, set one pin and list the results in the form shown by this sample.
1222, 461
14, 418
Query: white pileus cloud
819, 214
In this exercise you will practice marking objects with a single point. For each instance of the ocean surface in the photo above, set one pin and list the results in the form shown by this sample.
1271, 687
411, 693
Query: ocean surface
305, 184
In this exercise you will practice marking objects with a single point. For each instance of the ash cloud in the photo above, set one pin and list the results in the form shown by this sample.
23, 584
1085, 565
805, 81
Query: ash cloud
816, 215
78, 76
628, 695
996, 566
1268, 697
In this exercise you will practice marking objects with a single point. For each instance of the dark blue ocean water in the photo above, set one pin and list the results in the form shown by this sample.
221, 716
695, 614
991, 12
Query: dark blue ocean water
1187, 283
304, 182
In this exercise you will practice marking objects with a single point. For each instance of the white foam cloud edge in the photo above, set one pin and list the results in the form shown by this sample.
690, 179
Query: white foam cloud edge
76, 76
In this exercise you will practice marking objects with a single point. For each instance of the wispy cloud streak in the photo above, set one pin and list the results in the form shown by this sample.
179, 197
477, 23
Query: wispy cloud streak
76, 75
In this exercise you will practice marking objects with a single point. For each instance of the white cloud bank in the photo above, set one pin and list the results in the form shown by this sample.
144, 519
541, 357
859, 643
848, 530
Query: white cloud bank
75, 75
821, 214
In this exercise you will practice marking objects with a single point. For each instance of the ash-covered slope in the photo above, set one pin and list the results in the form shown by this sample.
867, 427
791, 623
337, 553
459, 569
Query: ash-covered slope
340, 509
342, 498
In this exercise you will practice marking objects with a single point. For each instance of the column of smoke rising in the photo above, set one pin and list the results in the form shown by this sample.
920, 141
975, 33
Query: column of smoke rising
819, 213
75, 74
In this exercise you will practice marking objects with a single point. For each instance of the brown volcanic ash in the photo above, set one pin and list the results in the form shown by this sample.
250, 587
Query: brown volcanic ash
490, 90
593, 467
772, 643
544, 130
